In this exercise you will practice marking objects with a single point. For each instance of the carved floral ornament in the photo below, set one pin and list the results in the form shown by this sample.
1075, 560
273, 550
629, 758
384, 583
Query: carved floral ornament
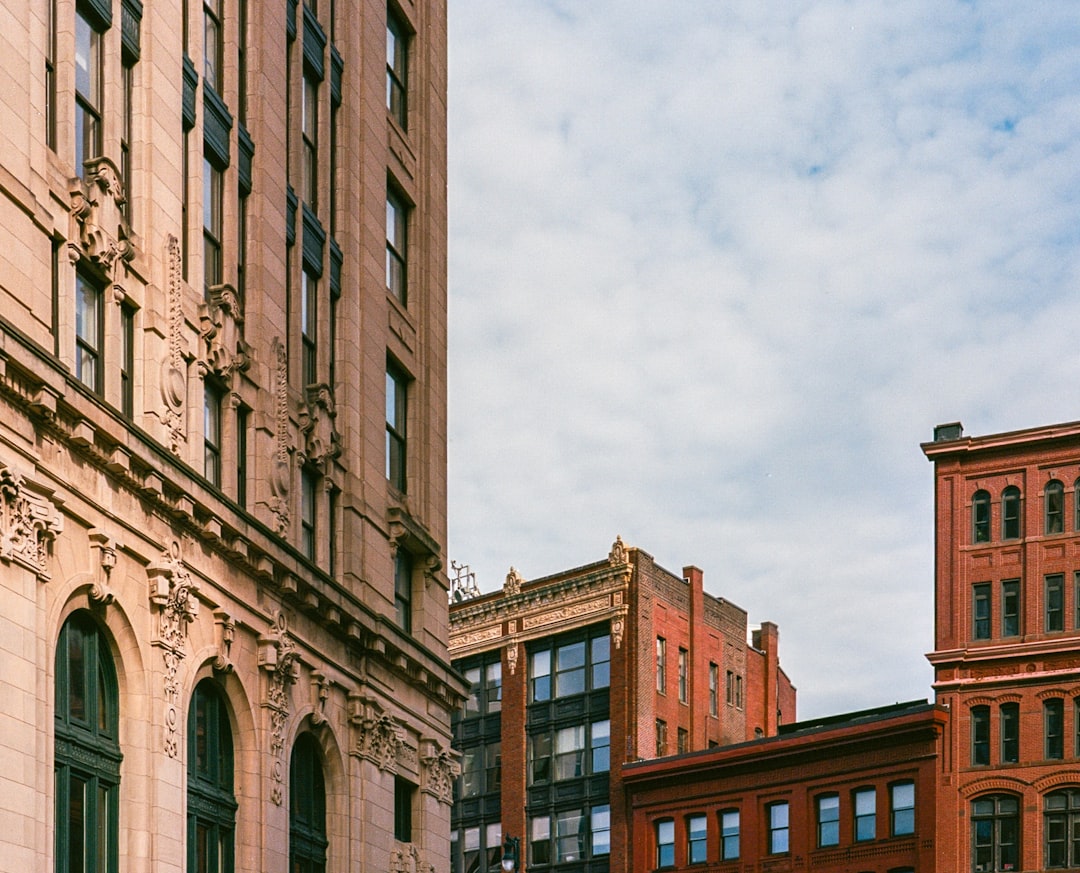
28, 524
317, 422
406, 859
279, 658
440, 771
99, 232
221, 326
173, 378
377, 736
281, 474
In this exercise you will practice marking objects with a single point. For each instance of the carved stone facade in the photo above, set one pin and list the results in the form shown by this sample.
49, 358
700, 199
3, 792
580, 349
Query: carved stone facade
193, 489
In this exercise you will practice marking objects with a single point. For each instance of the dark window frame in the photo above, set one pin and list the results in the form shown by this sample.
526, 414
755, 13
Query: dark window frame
980, 517
1011, 515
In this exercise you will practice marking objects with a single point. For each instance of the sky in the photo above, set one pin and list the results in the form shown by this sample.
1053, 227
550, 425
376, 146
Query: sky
718, 268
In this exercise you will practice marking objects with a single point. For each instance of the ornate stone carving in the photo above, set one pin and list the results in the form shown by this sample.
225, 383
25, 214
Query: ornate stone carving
28, 525
173, 592
573, 610
99, 231
100, 591
281, 474
439, 771
512, 656
221, 325
322, 441
618, 628
225, 632
279, 658
378, 737
618, 554
173, 370
320, 692
406, 859
513, 582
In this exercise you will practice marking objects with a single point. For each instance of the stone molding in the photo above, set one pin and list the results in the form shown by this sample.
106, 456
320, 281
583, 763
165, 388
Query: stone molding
29, 522
279, 658
439, 771
282, 471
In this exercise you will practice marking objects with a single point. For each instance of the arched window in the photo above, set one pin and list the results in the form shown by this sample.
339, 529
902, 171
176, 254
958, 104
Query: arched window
1062, 823
211, 803
87, 768
980, 517
1010, 513
307, 808
1054, 503
995, 833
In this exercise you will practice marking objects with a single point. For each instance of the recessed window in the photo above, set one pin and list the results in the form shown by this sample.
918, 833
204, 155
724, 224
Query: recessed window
902, 808
1010, 733
540, 840
213, 45
404, 792
995, 827
683, 656
87, 92
485, 688
212, 224
396, 247
1010, 513
980, 517
89, 334
1062, 827
309, 119
1054, 497
665, 843
308, 511
729, 835
308, 325
661, 738
777, 816
828, 820
580, 665
697, 846
396, 415
211, 804
980, 735
600, 830
1010, 608
661, 664
714, 690
865, 802
127, 361
397, 57
1055, 602
1054, 727
600, 746
212, 396
980, 629
403, 589
570, 669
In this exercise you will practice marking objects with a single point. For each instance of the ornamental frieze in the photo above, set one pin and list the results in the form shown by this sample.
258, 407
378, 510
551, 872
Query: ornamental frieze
573, 610
28, 525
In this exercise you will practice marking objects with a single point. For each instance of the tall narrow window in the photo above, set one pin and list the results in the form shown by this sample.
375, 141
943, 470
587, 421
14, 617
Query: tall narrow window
241, 60
729, 835
396, 415
1054, 726
308, 287
127, 75
211, 804
1010, 608
212, 396
1054, 497
212, 45
493, 767
980, 735
242, 416
403, 589
540, 840
665, 843
600, 828
212, 203
714, 690
980, 517
778, 828
902, 808
1010, 733
828, 820
981, 611
89, 336
396, 70
87, 91
241, 248
1010, 513
1055, 602
600, 654
403, 804
730, 688
540, 675
308, 840
570, 669
308, 512
87, 752
865, 800
396, 247
697, 844
661, 664
683, 655
1062, 829
50, 77
570, 752
600, 746
995, 837
127, 361
661, 738
185, 196
683, 741
309, 120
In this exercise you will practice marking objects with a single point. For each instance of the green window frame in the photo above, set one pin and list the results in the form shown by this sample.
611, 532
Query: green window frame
211, 820
308, 842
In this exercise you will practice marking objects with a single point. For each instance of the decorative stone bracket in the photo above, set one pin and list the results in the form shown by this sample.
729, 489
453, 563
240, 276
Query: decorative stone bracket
440, 770
281, 472
279, 658
28, 524
406, 859
320, 693
379, 738
100, 591
322, 442
221, 320
99, 230
224, 632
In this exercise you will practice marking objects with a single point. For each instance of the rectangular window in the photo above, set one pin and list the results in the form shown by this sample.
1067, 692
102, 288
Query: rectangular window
87, 92
981, 611
396, 70
738, 692
308, 490
697, 846
403, 803
729, 835
470, 772
540, 675
127, 74
539, 758
474, 702
865, 814
212, 44
127, 361
89, 314
1010, 513
661, 664
1010, 733
492, 767
661, 738
309, 120
980, 735
600, 746
1055, 605
665, 843
540, 840
714, 690
570, 669
212, 207
403, 571
241, 455
396, 247
309, 358
1010, 608
241, 249
493, 845
569, 752
828, 820
570, 835
778, 828
601, 661
396, 414
902, 808
241, 60
730, 688
600, 828
212, 433
493, 687
1054, 722
50, 77
683, 739
683, 655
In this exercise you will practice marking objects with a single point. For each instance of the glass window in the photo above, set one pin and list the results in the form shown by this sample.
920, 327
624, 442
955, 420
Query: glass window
403, 571
828, 820
600, 745
493, 687
396, 70
87, 92
1062, 828
683, 655
1054, 724
980, 517
995, 833
212, 433
1010, 733
396, 415
902, 808
714, 690
601, 661
696, 840
778, 828
403, 810
683, 740
980, 735
570, 669
309, 120
1010, 513
212, 44
492, 767
661, 738
470, 772
729, 835
865, 814
570, 835
600, 827
309, 371
127, 361
540, 839
1010, 608
1055, 602
665, 843
396, 247
212, 225
539, 758
540, 674
1054, 497
569, 752
661, 664
89, 335
211, 805
981, 611
493, 845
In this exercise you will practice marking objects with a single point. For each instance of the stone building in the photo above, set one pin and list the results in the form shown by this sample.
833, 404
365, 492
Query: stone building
577, 674
223, 611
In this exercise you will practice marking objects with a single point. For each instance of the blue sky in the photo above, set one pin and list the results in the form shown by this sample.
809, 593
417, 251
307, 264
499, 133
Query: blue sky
717, 269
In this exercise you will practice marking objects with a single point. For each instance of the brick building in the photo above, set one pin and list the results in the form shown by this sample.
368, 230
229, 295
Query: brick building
223, 613
576, 674
1007, 644
845, 794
